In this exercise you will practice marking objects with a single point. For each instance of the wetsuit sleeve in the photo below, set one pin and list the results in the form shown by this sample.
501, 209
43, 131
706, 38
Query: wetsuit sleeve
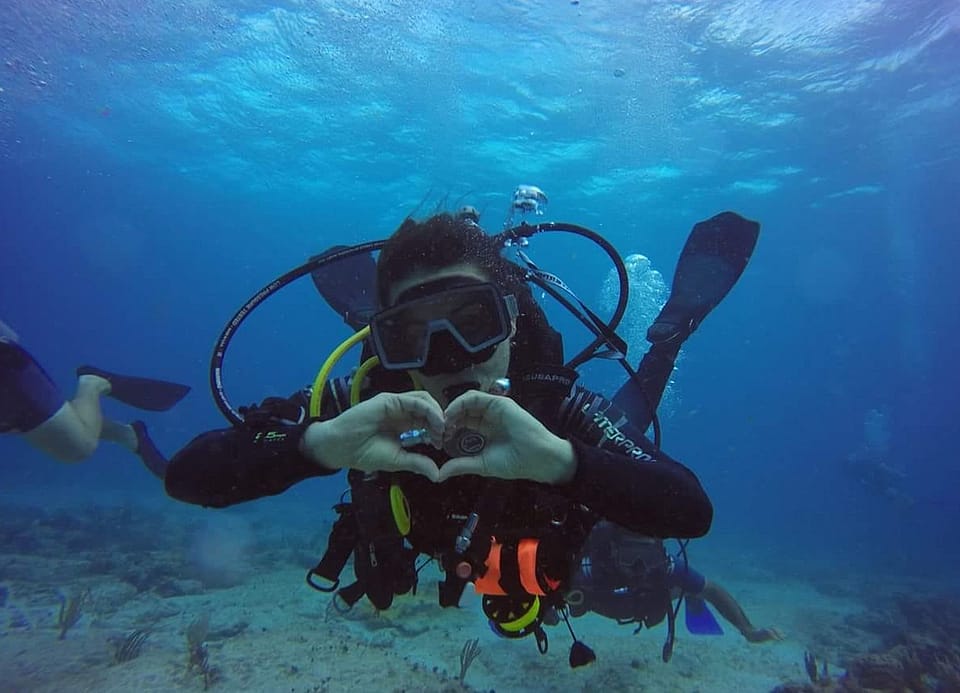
232, 465
623, 477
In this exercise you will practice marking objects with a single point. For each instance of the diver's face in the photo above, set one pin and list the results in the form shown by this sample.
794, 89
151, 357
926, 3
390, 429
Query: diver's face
444, 387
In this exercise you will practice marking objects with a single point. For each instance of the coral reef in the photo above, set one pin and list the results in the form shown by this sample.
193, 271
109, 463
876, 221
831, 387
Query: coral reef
921, 652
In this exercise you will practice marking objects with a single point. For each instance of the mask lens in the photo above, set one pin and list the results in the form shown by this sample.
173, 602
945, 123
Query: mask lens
478, 320
475, 317
447, 355
400, 341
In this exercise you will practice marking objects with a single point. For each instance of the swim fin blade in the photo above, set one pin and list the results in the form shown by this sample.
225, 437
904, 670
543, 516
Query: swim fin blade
142, 393
699, 619
348, 285
715, 255
147, 451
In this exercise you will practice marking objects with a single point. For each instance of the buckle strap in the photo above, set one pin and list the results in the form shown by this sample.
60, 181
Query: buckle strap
343, 539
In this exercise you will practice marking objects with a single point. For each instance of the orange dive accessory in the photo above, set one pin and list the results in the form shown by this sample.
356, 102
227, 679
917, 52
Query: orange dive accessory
521, 582
515, 575
527, 565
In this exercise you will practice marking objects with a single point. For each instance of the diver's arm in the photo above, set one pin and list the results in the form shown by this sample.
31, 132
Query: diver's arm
663, 499
233, 465
259, 458
623, 477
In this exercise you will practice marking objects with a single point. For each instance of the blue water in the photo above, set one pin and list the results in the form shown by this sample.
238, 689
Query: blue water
160, 162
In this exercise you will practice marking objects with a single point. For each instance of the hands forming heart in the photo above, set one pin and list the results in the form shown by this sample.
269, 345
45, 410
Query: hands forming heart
367, 437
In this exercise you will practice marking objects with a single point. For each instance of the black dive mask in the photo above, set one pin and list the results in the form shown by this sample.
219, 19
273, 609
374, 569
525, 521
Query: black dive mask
443, 331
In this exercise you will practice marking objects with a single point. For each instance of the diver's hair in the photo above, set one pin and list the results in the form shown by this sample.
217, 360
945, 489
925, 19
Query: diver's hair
443, 241
440, 242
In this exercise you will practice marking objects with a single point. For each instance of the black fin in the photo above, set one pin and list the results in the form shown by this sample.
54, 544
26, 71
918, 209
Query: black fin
142, 393
348, 286
714, 257
147, 451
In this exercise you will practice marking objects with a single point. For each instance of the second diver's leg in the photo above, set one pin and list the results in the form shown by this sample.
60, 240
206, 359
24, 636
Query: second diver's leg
132, 436
731, 610
147, 451
641, 396
119, 433
71, 434
86, 403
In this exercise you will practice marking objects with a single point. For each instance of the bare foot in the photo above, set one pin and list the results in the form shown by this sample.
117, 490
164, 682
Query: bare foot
763, 635
93, 383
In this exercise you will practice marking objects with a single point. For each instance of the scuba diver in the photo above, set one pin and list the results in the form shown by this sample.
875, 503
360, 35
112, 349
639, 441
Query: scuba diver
869, 465
526, 199
69, 431
468, 213
631, 578
464, 432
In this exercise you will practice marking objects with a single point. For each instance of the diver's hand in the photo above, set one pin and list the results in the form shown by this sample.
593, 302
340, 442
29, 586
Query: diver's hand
517, 446
367, 436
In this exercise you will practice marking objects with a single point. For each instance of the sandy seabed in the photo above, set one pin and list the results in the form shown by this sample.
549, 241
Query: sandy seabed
268, 631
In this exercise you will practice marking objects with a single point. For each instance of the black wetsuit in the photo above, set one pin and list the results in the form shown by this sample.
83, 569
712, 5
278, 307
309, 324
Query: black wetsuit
28, 396
620, 475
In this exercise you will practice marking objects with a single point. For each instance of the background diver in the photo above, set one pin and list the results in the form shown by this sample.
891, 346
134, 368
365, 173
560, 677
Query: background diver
32, 406
869, 465
454, 317
631, 579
